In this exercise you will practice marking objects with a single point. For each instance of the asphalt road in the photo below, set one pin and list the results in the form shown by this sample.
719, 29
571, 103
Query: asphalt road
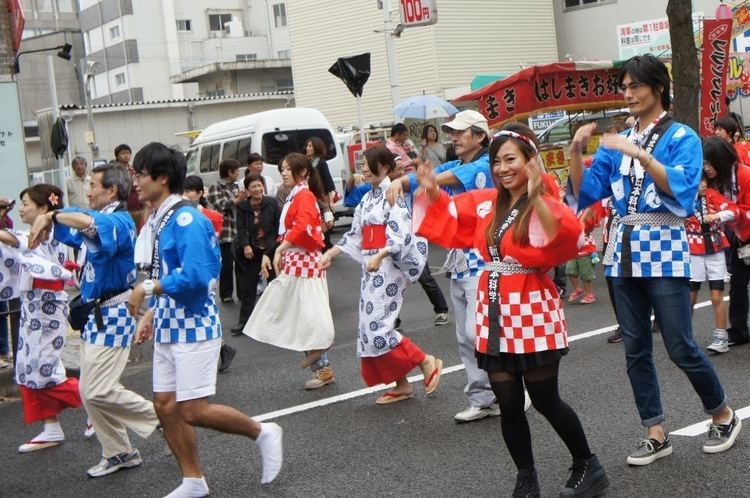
352, 447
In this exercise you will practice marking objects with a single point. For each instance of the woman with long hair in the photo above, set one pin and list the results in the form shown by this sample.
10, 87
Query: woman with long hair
39, 275
726, 174
521, 232
381, 240
294, 312
431, 148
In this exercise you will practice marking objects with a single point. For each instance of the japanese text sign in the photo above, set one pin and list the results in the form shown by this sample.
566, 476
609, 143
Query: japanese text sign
717, 36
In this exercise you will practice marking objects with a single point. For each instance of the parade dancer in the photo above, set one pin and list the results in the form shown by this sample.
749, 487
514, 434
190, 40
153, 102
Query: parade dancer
293, 312
107, 233
39, 277
652, 171
521, 333
381, 240
470, 136
181, 249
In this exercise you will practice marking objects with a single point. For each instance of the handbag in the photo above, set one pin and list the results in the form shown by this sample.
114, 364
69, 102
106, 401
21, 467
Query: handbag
79, 312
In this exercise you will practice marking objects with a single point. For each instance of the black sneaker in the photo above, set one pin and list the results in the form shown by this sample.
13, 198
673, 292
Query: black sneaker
721, 436
615, 337
227, 300
587, 478
527, 484
237, 330
649, 450
226, 355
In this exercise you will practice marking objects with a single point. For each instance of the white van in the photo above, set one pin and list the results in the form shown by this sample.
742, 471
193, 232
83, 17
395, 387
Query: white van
272, 134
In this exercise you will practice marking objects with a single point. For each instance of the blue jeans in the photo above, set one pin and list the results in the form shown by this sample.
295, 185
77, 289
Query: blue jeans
670, 298
4, 349
322, 362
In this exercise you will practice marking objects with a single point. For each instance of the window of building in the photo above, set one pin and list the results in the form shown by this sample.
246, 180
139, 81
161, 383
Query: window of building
120, 79
216, 22
184, 25
283, 54
216, 93
246, 57
114, 32
279, 15
576, 4
285, 85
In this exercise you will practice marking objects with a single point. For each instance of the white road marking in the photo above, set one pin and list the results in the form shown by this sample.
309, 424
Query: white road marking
416, 378
701, 427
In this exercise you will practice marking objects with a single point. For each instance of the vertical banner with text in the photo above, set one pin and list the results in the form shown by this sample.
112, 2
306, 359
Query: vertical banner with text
717, 37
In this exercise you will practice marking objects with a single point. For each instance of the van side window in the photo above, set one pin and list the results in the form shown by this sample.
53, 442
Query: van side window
230, 150
277, 144
214, 165
205, 159
244, 150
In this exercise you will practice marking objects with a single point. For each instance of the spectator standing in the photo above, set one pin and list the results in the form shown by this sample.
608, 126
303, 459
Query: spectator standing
78, 184
255, 165
223, 196
398, 144
257, 229
432, 150
137, 209
652, 171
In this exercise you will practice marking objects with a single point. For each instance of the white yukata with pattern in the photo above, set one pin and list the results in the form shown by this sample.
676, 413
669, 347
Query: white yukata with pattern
41, 336
382, 291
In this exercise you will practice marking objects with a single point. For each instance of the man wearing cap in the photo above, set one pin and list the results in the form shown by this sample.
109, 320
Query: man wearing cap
470, 135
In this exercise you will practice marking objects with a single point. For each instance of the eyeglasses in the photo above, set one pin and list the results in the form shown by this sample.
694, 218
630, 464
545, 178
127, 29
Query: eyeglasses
633, 87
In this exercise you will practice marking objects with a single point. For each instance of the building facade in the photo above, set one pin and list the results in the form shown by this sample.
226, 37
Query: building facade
142, 50
468, 39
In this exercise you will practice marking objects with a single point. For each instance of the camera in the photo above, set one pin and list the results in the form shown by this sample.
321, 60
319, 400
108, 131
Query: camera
8, 206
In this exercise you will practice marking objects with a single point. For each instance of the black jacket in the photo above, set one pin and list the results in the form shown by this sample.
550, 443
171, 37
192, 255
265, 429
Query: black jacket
270, 213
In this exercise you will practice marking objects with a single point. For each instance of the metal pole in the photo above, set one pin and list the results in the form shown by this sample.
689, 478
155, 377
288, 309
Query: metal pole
362, 138
390, 51
55, 116
87, 75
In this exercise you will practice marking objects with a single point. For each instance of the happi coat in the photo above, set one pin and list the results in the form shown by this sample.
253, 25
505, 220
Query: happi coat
531, 317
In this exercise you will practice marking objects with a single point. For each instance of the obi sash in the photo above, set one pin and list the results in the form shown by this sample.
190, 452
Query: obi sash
373, 237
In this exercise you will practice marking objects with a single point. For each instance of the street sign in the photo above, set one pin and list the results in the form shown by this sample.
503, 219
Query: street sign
418, 13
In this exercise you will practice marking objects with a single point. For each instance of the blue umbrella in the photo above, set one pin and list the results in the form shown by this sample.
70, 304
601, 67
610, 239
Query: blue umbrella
424, 107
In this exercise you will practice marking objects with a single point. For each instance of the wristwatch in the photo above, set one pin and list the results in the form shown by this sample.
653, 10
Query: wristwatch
148, 287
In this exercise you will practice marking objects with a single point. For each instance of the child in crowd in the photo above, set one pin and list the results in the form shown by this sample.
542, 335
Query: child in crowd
707, 243
580, 270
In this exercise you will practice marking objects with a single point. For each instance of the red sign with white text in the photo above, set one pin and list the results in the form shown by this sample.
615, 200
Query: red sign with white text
717, 38
17, 22
418, 13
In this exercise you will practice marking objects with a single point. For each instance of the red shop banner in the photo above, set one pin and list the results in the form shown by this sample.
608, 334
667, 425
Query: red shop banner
546, 88
717, 38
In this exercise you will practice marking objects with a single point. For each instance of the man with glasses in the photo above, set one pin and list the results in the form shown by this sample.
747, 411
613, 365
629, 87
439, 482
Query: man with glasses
652, 172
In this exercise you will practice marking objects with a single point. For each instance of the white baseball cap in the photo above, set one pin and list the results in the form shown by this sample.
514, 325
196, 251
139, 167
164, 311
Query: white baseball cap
466, 119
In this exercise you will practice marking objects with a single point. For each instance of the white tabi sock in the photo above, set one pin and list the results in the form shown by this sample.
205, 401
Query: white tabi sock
52, 432
191, 487
271, 452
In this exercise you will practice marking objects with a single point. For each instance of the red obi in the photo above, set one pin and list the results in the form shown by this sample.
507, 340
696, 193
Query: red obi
53, 285
373, 237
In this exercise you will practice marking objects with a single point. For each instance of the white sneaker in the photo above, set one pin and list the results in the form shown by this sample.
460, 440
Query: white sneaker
721, 342
107, 466
473, 413
271, 451
526, 401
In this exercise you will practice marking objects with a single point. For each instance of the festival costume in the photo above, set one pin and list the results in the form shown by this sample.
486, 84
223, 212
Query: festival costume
707, 240
293, 312
38, 276
650, 258
107, 276
524, 327
185, 314
386, 356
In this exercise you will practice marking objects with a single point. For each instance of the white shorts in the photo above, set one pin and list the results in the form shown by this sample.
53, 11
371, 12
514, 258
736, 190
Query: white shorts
707, 267
186, 369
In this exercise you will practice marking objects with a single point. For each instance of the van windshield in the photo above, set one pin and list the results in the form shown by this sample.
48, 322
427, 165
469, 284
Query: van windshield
277, 144
192, 162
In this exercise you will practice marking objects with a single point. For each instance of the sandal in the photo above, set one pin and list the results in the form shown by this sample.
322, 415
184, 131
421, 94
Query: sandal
392, 397
431, 381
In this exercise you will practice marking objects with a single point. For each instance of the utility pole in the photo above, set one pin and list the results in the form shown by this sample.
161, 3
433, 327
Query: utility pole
390, 51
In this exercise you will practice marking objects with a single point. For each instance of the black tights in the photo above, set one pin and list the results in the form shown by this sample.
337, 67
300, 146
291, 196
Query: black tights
542, 386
